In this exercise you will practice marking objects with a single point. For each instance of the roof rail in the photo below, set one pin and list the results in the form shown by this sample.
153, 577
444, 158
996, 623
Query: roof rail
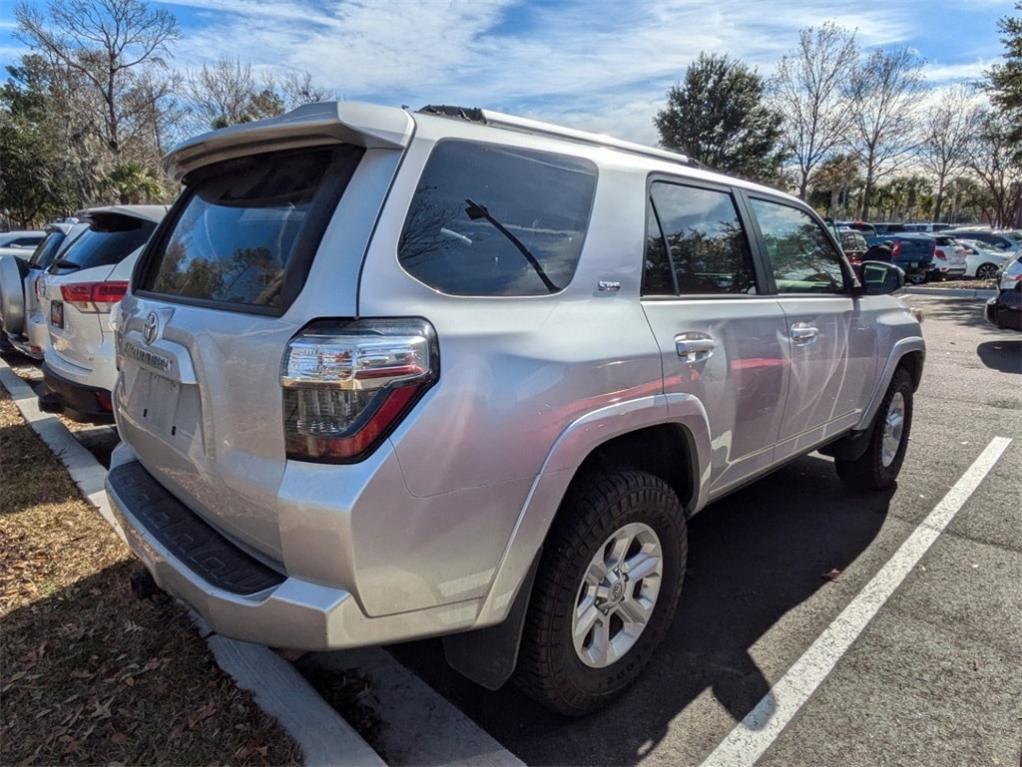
526, 125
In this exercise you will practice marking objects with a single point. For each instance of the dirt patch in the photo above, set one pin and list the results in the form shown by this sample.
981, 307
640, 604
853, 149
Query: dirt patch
964, 284
90, 674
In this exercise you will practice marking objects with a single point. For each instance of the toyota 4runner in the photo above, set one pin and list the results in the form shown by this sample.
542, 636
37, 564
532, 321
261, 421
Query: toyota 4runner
388, 375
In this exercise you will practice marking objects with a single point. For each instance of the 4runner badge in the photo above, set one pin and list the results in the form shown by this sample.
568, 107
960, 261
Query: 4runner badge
152, 324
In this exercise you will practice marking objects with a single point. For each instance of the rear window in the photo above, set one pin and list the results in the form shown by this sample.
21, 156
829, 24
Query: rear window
109, 239
246, 230
47, 249
489, 220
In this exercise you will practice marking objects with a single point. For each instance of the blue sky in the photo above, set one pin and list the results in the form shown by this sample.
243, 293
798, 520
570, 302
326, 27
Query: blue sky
603, 66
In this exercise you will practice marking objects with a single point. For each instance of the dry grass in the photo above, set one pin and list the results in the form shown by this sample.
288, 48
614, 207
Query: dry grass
90, 674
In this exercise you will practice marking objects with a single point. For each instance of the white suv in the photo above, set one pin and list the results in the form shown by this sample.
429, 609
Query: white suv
76, 297
388, 375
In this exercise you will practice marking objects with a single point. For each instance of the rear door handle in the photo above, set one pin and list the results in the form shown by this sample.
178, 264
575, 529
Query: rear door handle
694, 347
803, 333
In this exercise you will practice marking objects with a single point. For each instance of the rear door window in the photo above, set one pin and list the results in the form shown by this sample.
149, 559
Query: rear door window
490, 220
801, 255
110, 238
247, 229
695, 243
43, 255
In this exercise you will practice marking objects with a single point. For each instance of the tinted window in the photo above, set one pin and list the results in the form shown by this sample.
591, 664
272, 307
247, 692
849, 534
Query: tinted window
702, 238
43, 255
489, 220
802, 257
26, 242
109, 239
242, 224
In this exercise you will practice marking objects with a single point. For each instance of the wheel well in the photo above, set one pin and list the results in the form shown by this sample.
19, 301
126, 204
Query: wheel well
913, 364
665, 450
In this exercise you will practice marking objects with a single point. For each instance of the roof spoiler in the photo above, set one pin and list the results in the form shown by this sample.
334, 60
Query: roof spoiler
329, 122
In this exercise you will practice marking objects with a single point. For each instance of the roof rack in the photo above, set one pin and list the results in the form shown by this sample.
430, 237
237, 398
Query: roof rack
524, 124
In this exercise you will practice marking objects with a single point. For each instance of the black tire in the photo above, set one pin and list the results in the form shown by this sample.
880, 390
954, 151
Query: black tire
986, 271
549, 670
868, 471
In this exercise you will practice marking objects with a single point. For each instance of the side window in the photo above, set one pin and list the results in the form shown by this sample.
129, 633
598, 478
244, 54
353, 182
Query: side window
491, 220
702, 247
801, 256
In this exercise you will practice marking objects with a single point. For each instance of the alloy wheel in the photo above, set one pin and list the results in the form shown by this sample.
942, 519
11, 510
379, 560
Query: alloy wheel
894, 426
617, 596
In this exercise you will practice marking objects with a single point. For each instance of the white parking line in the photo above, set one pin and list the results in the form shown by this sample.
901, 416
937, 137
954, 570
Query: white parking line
751, 737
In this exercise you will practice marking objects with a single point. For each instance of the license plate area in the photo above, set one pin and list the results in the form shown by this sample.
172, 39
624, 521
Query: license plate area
57, 314
156, 405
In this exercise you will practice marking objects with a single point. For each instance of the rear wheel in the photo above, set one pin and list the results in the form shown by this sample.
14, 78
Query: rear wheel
986, 272
878, 467
606, 591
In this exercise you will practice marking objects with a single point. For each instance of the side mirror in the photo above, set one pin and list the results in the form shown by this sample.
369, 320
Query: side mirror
880, 278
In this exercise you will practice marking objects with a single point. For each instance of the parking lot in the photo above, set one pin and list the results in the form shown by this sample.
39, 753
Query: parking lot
934, 678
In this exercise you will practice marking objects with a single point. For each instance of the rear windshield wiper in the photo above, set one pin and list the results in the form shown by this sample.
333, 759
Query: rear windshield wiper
475, 211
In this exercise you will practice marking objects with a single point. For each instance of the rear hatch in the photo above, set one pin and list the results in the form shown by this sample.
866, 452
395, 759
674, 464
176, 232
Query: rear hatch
215, 300
78, 294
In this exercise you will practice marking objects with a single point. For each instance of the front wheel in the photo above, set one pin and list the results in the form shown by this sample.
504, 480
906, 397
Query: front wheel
878, 467
608, 584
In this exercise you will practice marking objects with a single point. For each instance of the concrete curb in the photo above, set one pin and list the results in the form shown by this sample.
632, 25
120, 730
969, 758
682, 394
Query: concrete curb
279, 690
977, 293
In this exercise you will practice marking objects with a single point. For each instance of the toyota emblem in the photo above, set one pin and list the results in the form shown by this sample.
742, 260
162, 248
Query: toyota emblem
152, 324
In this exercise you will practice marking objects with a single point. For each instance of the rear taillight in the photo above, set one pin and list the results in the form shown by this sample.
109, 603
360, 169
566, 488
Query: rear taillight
347, 384
93, 297
896, 250
39, 289
940, 254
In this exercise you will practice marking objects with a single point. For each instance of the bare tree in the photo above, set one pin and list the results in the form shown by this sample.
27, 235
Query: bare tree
882, 100
993, 159
947, 129
223, 93
106, 42
297, 88
227, 93
808, 90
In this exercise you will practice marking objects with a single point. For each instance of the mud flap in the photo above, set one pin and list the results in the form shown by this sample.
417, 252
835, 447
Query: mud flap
850, 447
488, 656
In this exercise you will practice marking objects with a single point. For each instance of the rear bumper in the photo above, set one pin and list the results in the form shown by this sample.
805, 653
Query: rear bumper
77, 401
239, 596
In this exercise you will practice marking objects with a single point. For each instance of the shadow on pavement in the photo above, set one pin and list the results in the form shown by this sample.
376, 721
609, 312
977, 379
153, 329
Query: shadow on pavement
969, 312
1005, 356
752, 558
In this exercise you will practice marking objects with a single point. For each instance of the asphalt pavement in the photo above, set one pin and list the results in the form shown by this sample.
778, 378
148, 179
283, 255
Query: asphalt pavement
935, 678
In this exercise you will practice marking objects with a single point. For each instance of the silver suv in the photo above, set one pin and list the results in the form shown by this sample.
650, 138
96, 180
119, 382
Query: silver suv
389, 375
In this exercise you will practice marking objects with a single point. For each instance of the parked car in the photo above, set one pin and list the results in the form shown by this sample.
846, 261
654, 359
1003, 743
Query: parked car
982, 261
948, 258
20, 243
915, 254
77, 294
1005, 309
888, 228
853, 244
58, 237
867, 230
1003, 241
928, 226
389, 375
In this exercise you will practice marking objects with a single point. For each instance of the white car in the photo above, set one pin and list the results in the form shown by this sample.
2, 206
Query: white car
983, 261
32, 338
76, 297
20, 243
948, 258
1011, 274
